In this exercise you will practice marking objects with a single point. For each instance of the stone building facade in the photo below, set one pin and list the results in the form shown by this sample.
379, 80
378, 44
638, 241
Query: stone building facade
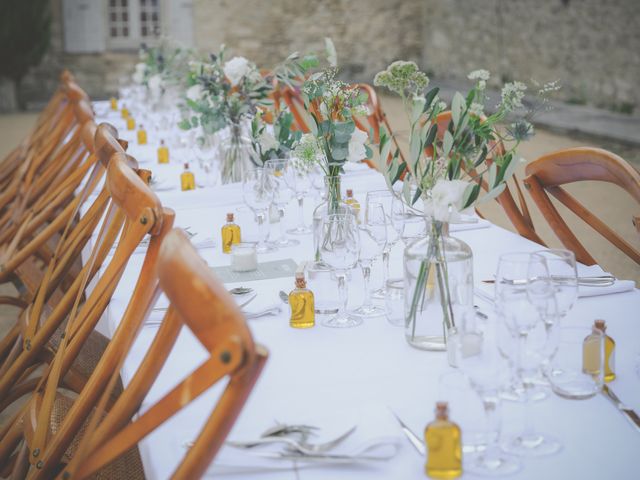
591, 46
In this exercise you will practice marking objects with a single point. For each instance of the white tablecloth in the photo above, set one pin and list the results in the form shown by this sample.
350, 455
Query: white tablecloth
336, 378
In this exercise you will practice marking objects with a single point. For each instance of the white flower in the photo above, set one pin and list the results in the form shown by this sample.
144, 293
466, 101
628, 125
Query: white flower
138, 76
512, 95
195, 92
156, 85
236, 68
476, 109
357, 150
306, 153
444, 203
267, 141
481, 74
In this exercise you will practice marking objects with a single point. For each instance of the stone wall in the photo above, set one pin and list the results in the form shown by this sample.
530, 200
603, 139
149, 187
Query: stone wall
591, 46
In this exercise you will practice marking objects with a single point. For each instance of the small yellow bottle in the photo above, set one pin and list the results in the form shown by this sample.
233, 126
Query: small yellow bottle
163, 153
142, 135
124, 112
114, 104
187, 179
302, 306
591, 354
444, 446
131, 123
230, 234
353, 203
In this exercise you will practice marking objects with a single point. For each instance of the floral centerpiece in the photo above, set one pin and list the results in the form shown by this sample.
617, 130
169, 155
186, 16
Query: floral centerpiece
228, 93
451, 155
276, 140
159, 67
331, 106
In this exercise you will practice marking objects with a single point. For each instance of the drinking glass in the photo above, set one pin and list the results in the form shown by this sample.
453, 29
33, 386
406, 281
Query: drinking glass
394, 301
525, 297
279, 170
385, 198
298, 180
477, 355
257, 190
339, 247
373, 238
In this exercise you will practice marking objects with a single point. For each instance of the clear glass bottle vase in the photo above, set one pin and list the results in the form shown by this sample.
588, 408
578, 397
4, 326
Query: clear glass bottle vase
332, 204
237, 154
438, 285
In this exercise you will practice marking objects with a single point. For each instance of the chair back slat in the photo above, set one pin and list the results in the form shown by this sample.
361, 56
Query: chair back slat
549, 173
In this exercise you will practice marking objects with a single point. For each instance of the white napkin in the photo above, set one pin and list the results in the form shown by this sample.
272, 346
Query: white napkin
618, 286
487, 290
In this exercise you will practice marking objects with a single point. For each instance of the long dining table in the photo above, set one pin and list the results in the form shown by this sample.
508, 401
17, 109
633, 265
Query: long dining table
338, 378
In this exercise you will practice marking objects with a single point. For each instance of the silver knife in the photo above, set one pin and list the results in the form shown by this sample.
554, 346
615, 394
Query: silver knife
626, 411
415, 440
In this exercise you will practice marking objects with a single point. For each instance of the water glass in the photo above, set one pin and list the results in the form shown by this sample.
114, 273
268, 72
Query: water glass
577, 370
394, 301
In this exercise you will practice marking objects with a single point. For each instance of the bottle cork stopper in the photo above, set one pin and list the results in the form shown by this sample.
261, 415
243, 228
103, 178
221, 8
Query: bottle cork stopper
300, 280
349, 192
141, 127
442, 409
161, 142
186, 166
229, 217
600, 325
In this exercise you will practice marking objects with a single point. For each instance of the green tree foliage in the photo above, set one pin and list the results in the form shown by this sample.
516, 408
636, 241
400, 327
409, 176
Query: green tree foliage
25, 31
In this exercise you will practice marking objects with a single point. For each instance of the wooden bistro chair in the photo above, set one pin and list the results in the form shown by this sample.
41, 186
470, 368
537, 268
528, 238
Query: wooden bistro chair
39, 330
42, 424
549, 173
201, 303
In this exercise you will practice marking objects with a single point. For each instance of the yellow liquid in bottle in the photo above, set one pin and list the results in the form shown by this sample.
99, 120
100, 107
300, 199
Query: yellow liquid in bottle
114, 103
353, 203
302, 308
187, 181
131, 123
230, 236
142, 137
163, 155
609, 359
591, 355
444, 456
124, 113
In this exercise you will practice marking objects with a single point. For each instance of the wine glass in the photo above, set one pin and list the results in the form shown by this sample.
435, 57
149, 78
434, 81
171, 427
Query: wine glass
385, 198
525, 297
257, 191
279, 171
373, 238
477, 355
339, 247
299, 181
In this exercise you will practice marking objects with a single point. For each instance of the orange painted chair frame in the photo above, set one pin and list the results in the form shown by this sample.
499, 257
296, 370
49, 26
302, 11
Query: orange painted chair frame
549, 173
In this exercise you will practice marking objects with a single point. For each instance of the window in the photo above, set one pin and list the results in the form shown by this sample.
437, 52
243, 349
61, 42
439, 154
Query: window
132, 22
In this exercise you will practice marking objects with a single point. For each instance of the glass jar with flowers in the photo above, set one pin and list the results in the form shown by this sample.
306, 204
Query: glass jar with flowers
452, 151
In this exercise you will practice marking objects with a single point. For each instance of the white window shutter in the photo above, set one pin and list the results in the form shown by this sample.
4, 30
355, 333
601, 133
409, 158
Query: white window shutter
178, 21
84, 26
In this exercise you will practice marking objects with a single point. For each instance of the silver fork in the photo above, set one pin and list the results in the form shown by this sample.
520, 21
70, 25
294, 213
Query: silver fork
301, 447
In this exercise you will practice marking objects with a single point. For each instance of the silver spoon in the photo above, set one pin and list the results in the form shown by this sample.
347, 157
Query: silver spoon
306, 449
240, 290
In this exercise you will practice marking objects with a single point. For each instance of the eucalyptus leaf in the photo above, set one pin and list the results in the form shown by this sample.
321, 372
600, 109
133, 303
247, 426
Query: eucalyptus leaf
470, 195
431, 94
457, 104
493, 172
447, 143
493, 193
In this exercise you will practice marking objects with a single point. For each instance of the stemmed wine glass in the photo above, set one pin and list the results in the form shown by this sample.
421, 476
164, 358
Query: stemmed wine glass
373, 238
478, 357
525, 297
385, 198
339, 247
279, 171
298, 180
257, 190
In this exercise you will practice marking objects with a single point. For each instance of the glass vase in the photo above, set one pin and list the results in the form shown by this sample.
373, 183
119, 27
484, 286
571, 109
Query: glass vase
332, 204
438, 284
237, 154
